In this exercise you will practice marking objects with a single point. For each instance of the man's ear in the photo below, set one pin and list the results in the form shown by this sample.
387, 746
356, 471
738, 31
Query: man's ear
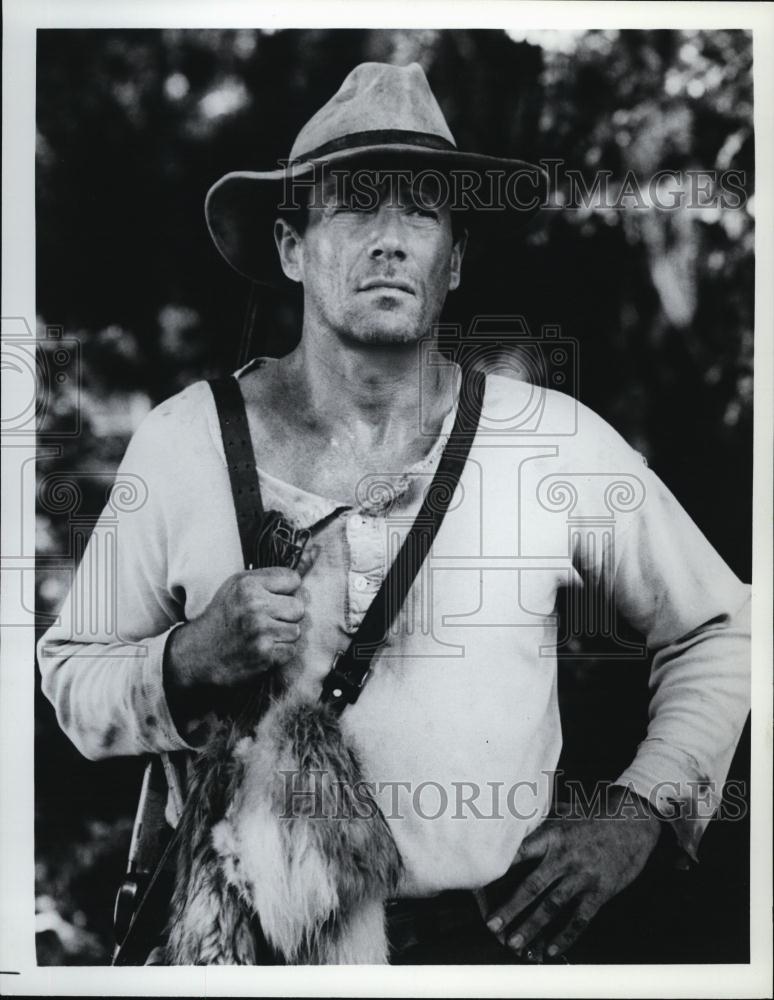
289, 249
458, 252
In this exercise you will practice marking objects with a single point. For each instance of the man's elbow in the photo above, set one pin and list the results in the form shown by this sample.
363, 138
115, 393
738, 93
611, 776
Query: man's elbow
58, 685
91, 743
86, 740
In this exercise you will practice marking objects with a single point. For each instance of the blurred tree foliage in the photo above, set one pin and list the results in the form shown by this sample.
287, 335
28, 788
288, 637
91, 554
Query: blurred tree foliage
134, 126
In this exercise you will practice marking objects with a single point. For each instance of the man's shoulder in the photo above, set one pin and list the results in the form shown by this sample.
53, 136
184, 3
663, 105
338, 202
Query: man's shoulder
188, 402
524, 412
173, 426
524, 407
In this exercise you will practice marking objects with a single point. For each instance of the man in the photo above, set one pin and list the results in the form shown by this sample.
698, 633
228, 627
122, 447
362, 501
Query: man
347, 431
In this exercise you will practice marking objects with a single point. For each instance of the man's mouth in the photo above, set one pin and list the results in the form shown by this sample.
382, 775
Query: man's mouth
392, 284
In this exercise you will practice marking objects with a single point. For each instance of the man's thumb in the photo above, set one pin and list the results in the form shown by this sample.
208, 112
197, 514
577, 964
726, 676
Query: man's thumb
307, 560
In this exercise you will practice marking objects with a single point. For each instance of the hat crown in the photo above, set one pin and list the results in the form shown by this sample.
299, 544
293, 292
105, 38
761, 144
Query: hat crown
375, 96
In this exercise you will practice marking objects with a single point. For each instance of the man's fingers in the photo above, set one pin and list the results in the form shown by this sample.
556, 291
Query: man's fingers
551, 909
529, 890
265, 613
285, 608
286, 632
278, 579
533, 848
560, 941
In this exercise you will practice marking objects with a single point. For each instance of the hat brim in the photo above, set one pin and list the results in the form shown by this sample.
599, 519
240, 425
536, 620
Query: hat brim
240, 208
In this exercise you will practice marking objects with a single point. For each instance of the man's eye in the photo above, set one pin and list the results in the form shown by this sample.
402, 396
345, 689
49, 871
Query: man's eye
423, 213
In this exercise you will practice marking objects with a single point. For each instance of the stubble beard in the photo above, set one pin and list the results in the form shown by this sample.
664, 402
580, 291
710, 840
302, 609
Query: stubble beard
385, 328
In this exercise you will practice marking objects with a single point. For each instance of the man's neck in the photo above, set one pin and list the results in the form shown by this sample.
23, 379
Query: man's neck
374, 392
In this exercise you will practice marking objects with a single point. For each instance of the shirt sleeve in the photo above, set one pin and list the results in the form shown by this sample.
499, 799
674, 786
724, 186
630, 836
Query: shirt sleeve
693, 611
101, 663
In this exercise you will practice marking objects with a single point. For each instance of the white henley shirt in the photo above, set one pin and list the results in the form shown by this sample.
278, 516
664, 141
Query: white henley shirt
458, 727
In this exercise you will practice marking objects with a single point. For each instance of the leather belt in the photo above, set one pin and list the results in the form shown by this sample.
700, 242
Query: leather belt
414, 921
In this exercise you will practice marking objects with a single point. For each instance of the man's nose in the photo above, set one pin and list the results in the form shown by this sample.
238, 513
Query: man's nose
387, 239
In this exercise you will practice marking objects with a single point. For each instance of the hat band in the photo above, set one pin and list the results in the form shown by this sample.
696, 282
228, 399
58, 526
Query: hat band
376, 137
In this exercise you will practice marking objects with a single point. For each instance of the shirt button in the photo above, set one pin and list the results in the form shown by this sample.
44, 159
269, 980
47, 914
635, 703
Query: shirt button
360, 583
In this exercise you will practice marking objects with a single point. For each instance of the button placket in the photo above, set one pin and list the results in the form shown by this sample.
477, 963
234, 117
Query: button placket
365, 534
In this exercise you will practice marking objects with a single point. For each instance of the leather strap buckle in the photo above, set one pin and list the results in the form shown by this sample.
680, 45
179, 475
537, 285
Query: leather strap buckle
344, 681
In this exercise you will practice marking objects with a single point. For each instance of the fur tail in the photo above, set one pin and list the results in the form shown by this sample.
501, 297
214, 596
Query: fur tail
305, 843
283, 849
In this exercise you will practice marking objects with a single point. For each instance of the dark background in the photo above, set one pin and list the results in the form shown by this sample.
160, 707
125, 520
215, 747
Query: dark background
134, 126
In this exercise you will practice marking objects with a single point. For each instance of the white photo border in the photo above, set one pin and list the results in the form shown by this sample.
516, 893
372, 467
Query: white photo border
20, 974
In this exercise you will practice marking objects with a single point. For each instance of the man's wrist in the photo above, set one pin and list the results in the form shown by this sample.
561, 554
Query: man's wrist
623, 800
179, 664
185, 696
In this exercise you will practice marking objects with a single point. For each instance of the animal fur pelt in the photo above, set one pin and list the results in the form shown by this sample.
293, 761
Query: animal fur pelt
284, 855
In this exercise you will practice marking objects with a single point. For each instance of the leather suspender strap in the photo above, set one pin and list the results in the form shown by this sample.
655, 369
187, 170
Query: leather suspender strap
240, 460
350, 669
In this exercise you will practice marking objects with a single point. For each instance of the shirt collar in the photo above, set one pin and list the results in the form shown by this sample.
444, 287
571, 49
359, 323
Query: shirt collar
376, 495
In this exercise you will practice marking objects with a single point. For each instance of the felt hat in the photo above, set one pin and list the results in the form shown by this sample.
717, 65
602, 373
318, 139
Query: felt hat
381, 114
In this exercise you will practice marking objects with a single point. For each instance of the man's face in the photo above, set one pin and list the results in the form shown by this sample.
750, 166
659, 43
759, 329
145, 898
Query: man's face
376, 267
